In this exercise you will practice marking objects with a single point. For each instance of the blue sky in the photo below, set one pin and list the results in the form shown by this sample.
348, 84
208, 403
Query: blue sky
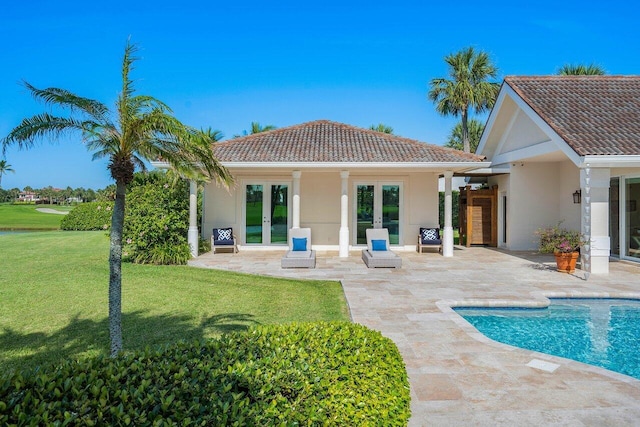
226, 64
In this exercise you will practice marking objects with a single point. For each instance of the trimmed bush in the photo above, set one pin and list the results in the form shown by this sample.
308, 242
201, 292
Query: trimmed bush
88, 216
295, 374
156, 221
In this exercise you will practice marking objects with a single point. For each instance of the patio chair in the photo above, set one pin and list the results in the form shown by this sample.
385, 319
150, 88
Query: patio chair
429, 238
223, 238
300, 254
377, 253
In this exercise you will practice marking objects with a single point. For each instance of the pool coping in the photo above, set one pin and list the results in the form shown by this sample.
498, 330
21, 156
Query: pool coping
540, 299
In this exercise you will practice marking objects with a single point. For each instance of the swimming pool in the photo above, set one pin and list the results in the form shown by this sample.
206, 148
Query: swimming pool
600, 332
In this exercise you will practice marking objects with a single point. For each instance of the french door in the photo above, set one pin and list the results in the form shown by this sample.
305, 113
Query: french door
378, 205
266, 213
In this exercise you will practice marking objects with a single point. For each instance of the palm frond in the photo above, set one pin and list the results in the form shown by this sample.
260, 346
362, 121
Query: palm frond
67, 99
38, 126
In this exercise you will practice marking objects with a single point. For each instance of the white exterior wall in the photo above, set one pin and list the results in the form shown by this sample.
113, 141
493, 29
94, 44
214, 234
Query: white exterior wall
538, 195
320, 203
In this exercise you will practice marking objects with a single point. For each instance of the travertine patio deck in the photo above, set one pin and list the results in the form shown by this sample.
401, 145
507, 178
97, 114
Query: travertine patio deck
457, 376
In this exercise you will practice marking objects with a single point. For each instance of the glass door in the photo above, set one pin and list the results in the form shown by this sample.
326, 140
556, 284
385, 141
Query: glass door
378, 205
391, 212
266, 213
364, 212
614, 215
632, 217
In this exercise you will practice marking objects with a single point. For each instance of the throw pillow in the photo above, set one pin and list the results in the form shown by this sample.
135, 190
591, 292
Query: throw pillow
299, 244
379, 245
224, 234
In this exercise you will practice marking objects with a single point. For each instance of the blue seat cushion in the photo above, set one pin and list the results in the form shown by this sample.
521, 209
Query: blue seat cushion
223, 236
378, 245
430, 236
299, 244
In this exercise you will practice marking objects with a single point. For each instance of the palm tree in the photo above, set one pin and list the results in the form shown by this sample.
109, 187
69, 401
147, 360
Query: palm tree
581, 70
475, 133
214, 134
381, 127
139, 127
467, 87
256, 128
4, 168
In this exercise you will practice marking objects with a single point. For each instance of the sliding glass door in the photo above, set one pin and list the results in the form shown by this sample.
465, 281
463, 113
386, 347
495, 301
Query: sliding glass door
632, 217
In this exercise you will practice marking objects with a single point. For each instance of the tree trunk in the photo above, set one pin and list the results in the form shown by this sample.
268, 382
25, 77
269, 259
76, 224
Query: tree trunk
115, 271
466, 147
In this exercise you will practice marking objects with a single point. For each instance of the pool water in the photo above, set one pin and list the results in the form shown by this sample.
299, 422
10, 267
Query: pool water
600, 332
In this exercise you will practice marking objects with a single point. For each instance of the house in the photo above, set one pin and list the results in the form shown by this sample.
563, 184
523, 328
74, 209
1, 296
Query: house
27, 197
336, 179
567, 148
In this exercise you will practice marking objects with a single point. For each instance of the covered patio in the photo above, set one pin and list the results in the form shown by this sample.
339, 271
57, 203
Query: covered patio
457, 376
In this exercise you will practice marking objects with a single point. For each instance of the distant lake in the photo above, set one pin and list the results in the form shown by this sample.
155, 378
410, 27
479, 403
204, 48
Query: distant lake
12, 232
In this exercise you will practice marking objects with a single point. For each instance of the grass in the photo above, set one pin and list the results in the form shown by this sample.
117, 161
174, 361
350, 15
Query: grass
26, 217
53, 289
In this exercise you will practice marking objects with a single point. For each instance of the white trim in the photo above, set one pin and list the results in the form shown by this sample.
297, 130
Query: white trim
491, 120
507, 132
612, 161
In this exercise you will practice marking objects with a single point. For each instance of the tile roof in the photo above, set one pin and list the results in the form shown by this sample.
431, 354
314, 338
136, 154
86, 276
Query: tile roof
330, 142
595, 115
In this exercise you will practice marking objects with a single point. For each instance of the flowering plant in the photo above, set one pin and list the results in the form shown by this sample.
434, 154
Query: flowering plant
556, 239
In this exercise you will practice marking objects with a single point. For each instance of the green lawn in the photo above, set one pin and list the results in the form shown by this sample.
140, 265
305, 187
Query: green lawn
26, 217
53, 290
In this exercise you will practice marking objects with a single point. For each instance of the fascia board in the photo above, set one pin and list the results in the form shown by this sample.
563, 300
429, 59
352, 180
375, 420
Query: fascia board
611, 161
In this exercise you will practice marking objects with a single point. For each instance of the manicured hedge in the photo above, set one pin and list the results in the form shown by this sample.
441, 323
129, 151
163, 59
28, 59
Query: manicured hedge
88, 216
295, 374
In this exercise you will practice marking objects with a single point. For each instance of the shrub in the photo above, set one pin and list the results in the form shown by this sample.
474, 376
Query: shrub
296, 374
88, 216
156, 221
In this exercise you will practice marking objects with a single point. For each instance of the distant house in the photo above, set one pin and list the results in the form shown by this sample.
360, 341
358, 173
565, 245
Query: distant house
567, 148
27, 196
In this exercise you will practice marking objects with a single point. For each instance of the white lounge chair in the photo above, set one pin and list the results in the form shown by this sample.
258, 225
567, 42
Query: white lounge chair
377, 253
300, 254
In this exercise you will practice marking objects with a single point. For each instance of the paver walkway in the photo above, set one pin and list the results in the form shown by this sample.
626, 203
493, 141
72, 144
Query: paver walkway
457, 376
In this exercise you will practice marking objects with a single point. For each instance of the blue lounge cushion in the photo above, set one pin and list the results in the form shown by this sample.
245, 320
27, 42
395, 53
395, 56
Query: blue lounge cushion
299, 244
379, 245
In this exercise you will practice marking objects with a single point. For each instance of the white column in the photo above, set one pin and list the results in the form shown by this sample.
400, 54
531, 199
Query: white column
192, 235
344, 215
447, 236
296, 199
594, 184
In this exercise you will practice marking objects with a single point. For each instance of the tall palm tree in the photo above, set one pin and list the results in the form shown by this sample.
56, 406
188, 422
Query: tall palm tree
256, 128
467, 87
581, 70
381, 127
475, 133
4, 168
139, 127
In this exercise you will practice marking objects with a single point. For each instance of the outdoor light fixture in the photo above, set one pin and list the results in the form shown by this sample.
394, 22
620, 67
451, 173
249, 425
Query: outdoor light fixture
577, 196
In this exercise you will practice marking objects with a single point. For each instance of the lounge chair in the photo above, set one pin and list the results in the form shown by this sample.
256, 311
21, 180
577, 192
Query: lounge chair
223, 238
300, 254
377, 253
429, 238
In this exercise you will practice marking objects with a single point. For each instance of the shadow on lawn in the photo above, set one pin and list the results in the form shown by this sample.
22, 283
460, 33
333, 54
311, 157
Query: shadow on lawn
81, 337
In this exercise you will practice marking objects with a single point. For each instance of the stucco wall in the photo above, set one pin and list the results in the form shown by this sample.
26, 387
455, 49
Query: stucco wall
320, 203
538, 195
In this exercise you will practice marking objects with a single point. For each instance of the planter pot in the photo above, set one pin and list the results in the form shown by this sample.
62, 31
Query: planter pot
566, 261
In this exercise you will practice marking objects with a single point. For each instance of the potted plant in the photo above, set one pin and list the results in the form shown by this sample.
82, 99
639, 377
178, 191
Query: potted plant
564, 244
